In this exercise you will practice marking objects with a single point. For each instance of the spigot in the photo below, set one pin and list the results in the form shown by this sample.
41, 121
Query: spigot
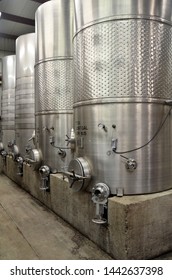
11, 147
44, 172
71, 140
4, 156
33, 158
100, 194
130, 164
19, 161
11, 143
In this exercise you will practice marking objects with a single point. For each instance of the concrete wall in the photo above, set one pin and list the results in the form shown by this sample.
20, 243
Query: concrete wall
138, 226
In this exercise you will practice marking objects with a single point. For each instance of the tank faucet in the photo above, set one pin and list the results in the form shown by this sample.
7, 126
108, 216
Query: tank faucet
100, 194
130, 164
44, 172
19, 166
4, 156
71, 140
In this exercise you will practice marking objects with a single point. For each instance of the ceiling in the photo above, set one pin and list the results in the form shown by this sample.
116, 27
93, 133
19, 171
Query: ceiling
17, 18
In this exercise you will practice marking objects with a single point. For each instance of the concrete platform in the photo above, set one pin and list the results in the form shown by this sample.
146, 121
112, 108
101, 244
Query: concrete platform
138, 226
29, 230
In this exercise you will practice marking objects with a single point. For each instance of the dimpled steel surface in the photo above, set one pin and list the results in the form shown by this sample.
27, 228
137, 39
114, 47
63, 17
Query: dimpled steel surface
122, 78
54, 82
55, 94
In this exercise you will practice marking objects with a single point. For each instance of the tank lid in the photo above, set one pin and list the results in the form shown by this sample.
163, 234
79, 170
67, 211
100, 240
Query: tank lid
90, 11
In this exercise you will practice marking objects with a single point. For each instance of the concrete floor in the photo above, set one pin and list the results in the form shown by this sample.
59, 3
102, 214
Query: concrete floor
28, 230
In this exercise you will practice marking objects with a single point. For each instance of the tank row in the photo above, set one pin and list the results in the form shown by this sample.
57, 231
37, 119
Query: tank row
89, 95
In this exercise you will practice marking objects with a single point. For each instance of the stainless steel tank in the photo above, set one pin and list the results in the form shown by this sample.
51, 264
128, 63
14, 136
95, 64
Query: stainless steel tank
25, 93
8, 100
0, 98
123, 93
54, 82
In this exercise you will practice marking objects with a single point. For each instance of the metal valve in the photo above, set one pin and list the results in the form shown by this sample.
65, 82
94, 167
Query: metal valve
11, 143
131, 164
33, 158
100, 194
71, 140
44, 172
19, 161
4, 155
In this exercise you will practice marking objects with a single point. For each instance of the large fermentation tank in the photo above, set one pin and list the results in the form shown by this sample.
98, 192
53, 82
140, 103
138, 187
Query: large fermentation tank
54, 82
8, 100
122, 82
25, 93
0, 97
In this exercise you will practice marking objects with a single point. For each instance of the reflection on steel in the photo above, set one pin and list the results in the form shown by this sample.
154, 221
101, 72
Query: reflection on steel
25, 95
54, 82
122, 78
8, 99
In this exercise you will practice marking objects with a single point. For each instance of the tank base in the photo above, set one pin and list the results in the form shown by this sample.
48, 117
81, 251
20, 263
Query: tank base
138, 226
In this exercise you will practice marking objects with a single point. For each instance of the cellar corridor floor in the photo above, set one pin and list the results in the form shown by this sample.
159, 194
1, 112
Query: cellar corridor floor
30, 231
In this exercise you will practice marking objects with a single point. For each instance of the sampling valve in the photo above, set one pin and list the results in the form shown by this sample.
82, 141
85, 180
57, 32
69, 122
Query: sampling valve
130, 164
19, 161
4, 156
44, 172
100, 194
10, 147
71, 140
